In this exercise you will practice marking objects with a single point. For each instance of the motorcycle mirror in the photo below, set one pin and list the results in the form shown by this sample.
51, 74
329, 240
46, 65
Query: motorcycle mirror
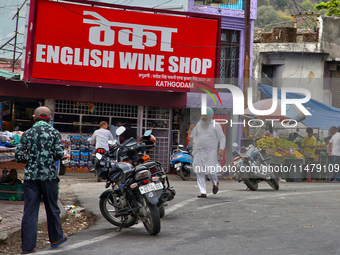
111, 142
120, 130
235, 144
99, 156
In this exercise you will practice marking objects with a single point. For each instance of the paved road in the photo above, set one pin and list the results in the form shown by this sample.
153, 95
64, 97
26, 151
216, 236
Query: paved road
300, 218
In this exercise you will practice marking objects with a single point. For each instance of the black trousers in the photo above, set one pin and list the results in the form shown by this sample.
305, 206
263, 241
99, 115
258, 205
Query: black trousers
33, 190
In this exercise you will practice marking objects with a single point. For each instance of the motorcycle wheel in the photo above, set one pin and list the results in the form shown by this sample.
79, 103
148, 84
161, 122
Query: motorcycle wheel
109, 211
184, 174
273, 182
62, 170
161, 211
251, 183
153, 222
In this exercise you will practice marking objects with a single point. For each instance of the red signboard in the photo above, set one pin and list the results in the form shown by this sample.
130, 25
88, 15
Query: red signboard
88, 44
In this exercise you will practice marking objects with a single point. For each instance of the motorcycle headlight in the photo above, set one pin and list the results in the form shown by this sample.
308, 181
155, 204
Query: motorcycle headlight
142, 174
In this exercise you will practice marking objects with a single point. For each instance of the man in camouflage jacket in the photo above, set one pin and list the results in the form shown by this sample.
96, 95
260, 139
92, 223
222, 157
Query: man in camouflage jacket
40, 147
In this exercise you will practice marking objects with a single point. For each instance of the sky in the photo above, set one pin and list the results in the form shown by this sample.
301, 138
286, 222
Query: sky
8, 8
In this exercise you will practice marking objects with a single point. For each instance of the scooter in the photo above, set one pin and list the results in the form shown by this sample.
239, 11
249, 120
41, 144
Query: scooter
251, 168
182, 160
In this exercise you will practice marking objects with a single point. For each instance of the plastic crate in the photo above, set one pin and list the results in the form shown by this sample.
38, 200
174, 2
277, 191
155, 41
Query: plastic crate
8, 192
276, 160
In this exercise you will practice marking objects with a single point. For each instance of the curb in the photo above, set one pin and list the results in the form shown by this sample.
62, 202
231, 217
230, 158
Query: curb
13, 234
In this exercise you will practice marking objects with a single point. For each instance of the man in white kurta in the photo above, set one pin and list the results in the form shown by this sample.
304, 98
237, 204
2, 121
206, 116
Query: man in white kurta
206, 136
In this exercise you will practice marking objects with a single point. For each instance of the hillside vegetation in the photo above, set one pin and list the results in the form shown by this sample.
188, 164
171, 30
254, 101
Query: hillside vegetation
272, 13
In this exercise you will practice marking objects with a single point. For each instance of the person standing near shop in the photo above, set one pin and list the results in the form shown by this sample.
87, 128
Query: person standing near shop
40, 147
101, 136
207, 135
128, 133
189, 139
270, 132
113, 129
334, 152
308, 144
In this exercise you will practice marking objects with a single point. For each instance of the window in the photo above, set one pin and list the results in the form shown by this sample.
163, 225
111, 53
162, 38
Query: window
229, 59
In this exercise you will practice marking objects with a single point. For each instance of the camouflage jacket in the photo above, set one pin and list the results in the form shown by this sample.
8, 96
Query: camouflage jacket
40, 146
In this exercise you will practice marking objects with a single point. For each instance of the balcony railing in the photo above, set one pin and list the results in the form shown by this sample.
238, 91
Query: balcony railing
228, 4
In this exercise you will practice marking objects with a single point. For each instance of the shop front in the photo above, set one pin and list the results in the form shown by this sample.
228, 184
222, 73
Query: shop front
109, 69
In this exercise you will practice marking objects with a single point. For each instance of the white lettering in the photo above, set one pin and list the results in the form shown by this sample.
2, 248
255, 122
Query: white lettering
159, 63
297, 101
77, 57
184, 65
40, 53
133, 36
96, 62
52, 54
173, 68
66, 56
149, 62
86, 57
108, 58
196, 66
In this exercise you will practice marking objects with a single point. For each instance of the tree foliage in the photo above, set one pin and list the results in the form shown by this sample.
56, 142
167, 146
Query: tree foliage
333, 7
268, 17
307, 5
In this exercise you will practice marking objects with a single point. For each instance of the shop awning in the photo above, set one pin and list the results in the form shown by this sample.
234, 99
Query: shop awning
323, 116
194, 100
8, 74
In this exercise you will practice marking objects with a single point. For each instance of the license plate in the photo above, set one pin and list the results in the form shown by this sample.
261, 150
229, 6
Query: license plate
237, 161
147, 188
66, 162
159, 185
178, 165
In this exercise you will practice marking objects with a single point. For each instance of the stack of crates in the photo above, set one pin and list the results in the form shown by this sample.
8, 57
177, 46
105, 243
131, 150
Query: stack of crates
12, 192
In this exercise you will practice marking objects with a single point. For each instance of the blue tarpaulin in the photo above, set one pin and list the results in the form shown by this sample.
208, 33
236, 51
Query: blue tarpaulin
323, 116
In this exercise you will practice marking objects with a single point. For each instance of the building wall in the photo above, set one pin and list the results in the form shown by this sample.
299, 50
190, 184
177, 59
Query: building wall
330, 35
297, 65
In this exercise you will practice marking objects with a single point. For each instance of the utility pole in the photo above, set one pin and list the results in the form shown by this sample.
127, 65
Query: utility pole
247, 37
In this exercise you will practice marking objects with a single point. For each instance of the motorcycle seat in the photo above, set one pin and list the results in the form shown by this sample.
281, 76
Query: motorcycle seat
150, 164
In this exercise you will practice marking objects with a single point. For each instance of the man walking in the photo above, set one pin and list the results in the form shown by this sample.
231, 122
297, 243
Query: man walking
334, 152
207, 135
40, 147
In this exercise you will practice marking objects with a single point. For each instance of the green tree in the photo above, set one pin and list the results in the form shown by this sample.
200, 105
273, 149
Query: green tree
281, 3
267, 15
307, 5
333, 7
262, 2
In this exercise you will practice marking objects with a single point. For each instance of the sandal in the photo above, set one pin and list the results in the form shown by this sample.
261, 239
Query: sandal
62, 240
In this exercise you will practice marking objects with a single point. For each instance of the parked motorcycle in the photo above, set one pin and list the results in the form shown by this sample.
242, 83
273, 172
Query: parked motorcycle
132, 196
182, 160
252, 168
135, 155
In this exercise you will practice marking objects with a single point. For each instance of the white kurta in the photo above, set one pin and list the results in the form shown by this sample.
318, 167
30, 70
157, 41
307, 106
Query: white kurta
205, 147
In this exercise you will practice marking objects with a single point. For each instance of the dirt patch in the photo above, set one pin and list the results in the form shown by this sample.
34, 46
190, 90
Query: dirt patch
74, 222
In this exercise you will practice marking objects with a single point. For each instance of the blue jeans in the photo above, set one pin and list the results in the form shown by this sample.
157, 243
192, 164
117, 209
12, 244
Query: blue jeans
33, 190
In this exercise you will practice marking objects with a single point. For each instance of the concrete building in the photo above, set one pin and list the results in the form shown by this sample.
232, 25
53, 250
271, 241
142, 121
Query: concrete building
287, 57
290, 57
